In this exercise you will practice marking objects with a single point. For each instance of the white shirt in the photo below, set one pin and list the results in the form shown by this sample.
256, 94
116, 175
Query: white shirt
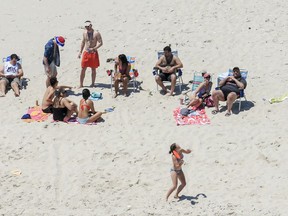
10, 69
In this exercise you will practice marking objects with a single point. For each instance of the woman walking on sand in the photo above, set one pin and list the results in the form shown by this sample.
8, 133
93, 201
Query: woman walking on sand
176, 171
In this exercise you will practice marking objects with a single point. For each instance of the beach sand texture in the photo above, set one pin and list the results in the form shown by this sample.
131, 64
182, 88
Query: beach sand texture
121, 166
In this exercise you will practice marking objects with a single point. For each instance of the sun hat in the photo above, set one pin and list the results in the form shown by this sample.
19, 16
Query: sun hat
60, 40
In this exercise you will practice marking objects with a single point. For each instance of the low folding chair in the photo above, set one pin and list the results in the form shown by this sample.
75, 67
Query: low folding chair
133, 73
7, 59
244, 74
179, 72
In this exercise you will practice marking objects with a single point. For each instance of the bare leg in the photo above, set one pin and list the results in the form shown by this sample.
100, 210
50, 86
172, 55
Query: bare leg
116, 87
230, 100
2, 88
93, 118
160, 83
174, 182
125, 86
195, 102
182, 179
70, 112
47, 81
217, 96
15, 88
93, 76
173, 83
49, 76
82, 76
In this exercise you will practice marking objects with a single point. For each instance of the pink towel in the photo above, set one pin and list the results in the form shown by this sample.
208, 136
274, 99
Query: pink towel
36, 114
201, 118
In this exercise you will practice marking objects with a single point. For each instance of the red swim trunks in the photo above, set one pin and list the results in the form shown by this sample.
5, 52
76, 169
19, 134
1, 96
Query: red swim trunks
90, 60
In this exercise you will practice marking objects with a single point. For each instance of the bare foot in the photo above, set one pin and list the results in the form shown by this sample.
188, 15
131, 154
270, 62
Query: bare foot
176, 197
2, 95
163, 91
115, 95
93, 85
66, 119
81, 86
169, 94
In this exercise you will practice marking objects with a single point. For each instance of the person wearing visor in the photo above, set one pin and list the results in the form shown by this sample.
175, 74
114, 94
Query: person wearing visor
91, 41
51, 58
10, 74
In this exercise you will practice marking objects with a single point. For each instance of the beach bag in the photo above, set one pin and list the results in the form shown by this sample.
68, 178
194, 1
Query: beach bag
185, 111
209, 101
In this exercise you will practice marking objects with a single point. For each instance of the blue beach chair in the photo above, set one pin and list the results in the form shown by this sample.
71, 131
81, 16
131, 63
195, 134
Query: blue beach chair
179, 80
244, 74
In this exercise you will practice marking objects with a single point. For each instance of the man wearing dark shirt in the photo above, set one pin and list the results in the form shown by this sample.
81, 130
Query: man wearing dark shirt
51, 57
229, 90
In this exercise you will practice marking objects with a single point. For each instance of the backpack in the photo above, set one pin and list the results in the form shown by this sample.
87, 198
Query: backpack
209, 101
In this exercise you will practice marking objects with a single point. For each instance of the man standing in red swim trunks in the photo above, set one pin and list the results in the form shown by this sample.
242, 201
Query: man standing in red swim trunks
91, 41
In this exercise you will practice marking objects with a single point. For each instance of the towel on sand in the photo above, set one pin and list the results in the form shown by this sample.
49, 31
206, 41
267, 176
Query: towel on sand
200, 119
36, 114
278, 99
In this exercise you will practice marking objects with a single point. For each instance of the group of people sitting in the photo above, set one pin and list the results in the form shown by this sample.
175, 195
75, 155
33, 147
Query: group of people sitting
228, 90
168, 64
55, 101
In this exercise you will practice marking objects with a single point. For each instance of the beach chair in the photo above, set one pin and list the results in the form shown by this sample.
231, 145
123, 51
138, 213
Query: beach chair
179, 80
133, 73
197, 80
7, 59
244, 74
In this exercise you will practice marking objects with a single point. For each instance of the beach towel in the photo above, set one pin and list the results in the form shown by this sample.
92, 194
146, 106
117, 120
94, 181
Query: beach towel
279, 99
36, 114
198, 117
95, 96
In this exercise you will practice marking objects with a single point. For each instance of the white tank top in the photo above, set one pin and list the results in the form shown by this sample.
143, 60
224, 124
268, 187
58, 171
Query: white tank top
10, 69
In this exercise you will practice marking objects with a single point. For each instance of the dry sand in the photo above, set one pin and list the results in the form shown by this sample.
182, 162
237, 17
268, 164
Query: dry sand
121, 166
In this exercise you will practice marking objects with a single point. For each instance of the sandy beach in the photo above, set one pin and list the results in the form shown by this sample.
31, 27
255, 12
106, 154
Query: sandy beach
121, 166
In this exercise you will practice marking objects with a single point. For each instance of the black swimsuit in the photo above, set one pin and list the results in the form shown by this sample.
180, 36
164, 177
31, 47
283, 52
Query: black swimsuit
59, 113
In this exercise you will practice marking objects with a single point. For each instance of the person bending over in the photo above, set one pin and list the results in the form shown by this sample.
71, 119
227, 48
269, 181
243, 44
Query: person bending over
47, 101
63, 108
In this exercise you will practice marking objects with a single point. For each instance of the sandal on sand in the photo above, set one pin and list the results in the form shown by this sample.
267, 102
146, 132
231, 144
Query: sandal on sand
214, 112
227, 114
